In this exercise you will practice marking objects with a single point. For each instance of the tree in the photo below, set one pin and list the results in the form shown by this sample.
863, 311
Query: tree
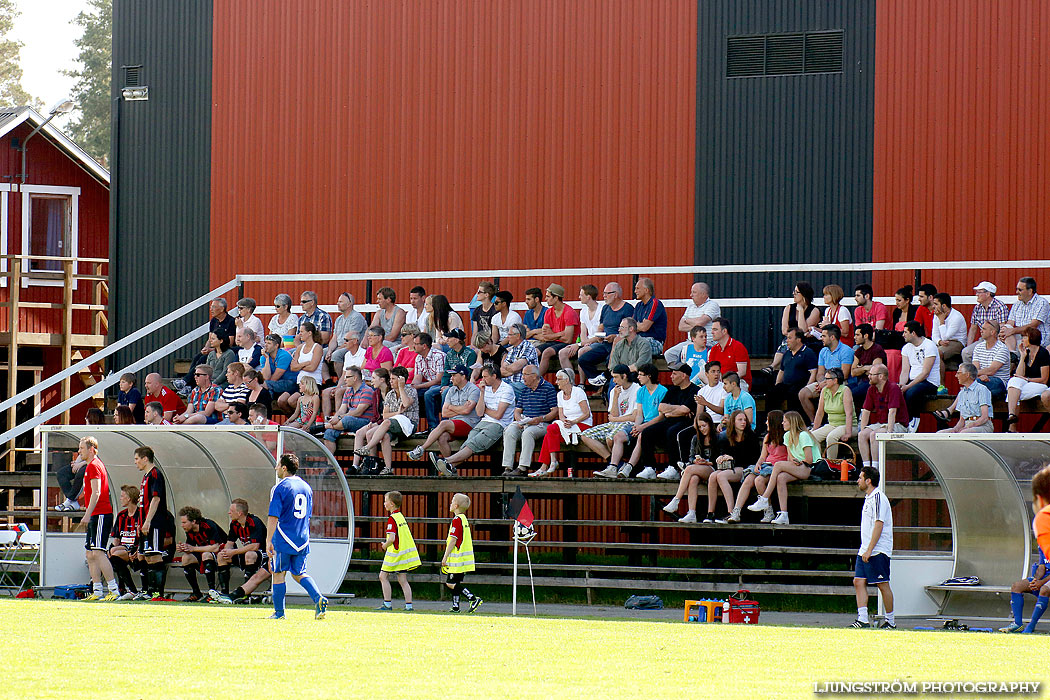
12, 94
91, 91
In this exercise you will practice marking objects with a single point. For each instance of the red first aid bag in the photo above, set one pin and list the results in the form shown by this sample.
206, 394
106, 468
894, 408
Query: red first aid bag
742, 609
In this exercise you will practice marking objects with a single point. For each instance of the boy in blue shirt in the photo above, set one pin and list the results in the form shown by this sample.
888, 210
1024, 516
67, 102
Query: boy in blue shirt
288, 536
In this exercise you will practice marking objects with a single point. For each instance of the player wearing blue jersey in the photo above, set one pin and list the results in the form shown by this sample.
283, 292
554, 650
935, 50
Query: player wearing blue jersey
288, 536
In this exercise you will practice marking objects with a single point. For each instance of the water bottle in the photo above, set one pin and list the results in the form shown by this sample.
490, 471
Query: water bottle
725, 611
569, 472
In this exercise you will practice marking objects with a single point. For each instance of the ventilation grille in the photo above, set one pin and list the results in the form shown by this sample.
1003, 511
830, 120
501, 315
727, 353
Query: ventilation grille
132, 76
783, 54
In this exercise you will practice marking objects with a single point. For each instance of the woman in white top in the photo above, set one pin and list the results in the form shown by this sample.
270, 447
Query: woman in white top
306, 360
284, 323
505, 317
835, 313
441, 319
574, 415
590, 319
623, 403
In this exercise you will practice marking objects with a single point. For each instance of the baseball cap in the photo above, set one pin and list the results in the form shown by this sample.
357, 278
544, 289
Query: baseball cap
682, 367
986, 286
456, 333
461, 369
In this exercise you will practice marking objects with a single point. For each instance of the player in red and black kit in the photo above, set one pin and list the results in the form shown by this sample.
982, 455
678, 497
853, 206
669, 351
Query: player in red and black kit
250, 557
124, 541
157, 526
204, 538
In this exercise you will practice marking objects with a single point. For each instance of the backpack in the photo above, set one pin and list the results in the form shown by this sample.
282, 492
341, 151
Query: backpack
644, 602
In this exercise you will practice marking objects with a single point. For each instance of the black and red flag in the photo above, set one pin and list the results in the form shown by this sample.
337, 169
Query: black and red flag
518, 509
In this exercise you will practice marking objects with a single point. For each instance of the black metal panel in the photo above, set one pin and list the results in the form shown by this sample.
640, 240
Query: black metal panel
161, 155
784, 163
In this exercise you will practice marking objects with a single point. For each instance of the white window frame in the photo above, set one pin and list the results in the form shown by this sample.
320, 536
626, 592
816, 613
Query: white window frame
44, 279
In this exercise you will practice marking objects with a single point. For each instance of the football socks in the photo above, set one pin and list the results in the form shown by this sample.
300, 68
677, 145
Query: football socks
279, 592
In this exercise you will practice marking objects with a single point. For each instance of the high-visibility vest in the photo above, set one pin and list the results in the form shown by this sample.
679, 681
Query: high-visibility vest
405, 557
461, 560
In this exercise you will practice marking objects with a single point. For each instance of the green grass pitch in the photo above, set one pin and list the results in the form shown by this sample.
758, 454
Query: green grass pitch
66, 650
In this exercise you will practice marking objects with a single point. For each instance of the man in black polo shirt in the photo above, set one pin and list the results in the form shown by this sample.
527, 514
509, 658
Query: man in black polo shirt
797, 369
250, 557
204, 538
675, 429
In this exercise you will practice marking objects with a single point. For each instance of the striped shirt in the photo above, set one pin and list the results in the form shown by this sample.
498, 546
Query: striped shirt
431, 366
364, 396
1024, 312
522, 351
539, 401
236, 394
996, 311
983, 356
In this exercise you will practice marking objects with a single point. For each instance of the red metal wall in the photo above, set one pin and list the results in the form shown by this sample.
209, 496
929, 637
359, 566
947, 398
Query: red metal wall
456, 134
962, 153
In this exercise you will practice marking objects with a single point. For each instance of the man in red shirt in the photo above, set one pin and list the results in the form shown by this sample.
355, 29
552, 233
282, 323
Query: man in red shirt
560, 327
98, 519
870, 311
729, 353
884, 411
156, 391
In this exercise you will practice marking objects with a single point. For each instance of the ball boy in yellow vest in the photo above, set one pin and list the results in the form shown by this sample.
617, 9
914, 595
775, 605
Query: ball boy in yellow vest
401, 555
459, 553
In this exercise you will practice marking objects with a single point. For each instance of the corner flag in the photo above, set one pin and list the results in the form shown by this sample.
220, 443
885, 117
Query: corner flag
518, 509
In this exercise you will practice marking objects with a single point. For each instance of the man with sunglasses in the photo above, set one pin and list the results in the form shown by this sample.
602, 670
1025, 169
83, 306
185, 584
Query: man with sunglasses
200, 409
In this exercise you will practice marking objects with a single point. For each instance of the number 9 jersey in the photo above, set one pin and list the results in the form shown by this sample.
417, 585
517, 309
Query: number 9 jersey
291, 502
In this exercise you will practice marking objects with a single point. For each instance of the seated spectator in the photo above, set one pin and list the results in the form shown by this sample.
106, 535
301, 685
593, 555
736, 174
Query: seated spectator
155, 414
992, 359
322, 323
489, 353
730, 353
417, 308
920, 370
650, 314
836, 403
236, 414
94, 416
630, 349
559, 327
406, 354
974, 403
249, 352
800, 313
245, 317
835, 314
400, 417
430, 368
381, 385
949, 328
305, 362
458, 414
574, 416
700, 312
695, 354
884, 411
257, 391
220, 357
903, 309
351, 354
355, 411
130, 396
377, 355
773, 450
481, 315
259, 414
536, 405
612, 315
924, 314
1029, 311
535, 314
738, 452
866, 354
803, 460
834, 355
441, 320
1031, 378
590, 320
737, 400
235, 391
156, 391
389, 317
348, 331
711, 395
201, 406
648, 398
674, 428
283, 323
457, 354
275, 370
122, 415
520, 354
221, 325
307, 404
798, 369
505, 317
987, 308
496, 410
623, 404
868, 310
703, 449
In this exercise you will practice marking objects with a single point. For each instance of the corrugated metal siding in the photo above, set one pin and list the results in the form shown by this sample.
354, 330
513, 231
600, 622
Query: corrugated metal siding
47, 165
357, 136
161, 153
961, 147
783, 166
